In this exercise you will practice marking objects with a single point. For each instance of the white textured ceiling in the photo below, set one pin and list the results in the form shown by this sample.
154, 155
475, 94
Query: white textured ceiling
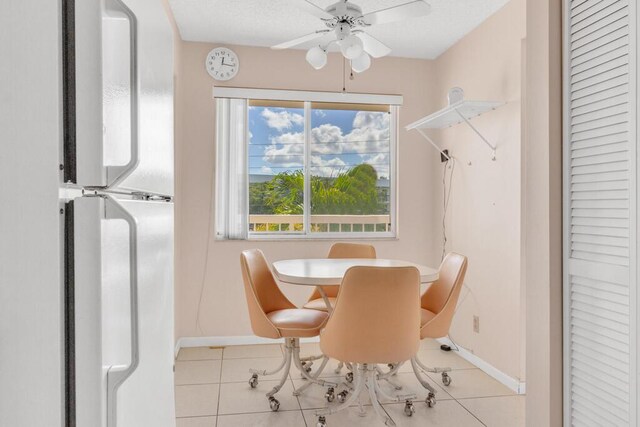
269, 22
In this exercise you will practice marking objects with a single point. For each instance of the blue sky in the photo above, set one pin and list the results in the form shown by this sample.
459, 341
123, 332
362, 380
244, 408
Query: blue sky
340, 140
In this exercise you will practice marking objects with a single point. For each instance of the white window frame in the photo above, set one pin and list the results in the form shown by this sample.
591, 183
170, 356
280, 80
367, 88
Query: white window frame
394, 101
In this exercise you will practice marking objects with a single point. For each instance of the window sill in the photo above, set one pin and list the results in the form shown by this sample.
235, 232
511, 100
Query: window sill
323, 237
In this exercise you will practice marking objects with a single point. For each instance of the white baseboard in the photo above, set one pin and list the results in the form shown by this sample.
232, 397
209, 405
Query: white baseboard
185, 342
514, 384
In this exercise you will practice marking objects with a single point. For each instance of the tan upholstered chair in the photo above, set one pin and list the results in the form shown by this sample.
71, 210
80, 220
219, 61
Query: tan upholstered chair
376, 321
272, 315
438, 305
339, 250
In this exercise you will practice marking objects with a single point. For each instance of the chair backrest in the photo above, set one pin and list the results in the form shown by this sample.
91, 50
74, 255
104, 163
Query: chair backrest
351, 250
262, 292
376, 318
442, 296
344, 250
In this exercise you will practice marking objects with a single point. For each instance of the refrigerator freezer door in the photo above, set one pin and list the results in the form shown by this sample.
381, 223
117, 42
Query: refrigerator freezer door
123, 95
124, 324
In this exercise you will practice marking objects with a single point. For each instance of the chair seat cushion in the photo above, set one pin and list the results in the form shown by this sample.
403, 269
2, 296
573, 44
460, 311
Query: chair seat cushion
426, 316
298, 322
319, 304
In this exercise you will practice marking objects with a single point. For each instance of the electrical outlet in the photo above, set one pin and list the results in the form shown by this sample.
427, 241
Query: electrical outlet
476, 324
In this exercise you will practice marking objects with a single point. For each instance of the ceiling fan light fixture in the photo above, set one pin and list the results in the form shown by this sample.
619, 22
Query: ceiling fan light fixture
351, 47
348, 24
361, 63
317, 57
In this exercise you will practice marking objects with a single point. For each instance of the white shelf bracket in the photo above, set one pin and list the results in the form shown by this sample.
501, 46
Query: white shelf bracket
433, 143
459, 110
493, 148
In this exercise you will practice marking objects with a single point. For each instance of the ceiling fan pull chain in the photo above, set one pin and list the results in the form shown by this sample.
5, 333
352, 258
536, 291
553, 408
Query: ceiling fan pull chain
344, 81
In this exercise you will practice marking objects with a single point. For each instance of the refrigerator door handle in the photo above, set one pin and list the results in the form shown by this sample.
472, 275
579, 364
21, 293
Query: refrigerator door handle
119, 373
115, 174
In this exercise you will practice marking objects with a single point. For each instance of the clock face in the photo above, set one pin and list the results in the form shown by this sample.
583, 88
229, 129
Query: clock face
222, 64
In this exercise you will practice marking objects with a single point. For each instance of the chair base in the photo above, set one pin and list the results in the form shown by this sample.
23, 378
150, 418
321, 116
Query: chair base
366, 377
446, 378
292, 356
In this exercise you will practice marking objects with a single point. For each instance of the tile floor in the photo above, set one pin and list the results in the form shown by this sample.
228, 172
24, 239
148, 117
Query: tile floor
212, 390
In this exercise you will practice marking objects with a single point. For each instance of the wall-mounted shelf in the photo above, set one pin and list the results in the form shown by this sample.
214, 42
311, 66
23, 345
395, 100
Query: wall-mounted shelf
458, 111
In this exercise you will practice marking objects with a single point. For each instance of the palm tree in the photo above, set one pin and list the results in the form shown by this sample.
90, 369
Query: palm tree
353, 192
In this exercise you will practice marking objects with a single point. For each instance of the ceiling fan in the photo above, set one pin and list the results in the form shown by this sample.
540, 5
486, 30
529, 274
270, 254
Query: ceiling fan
347, 23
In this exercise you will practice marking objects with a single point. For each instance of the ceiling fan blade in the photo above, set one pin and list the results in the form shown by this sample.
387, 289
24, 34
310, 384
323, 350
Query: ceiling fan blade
311, 8
412, 9
300, 40
373, 46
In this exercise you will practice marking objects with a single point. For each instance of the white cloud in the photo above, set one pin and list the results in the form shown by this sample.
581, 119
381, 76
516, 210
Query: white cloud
266, 170
281, 120
327, 139
369, 119
286, 150
368, 141
327, 167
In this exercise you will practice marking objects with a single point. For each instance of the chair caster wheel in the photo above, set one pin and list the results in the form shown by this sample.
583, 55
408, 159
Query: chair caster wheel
349, 377
253, 382
274, 404
446, 379
409, 410
307, 366
342, 396
430, 400
330, 395
322, 422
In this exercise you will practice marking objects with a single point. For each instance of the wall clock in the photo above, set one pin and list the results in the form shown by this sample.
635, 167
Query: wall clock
222, 64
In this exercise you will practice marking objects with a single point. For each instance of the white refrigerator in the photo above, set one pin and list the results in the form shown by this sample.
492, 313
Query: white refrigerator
118, 223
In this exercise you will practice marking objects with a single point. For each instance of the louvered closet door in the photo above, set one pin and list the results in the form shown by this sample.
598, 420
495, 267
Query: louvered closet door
600, 214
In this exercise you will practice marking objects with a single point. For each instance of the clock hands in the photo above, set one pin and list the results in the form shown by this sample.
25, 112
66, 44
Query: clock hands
228, 65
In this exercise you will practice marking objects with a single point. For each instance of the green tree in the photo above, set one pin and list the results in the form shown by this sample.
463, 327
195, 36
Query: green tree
284, 194
353, 192
257, 205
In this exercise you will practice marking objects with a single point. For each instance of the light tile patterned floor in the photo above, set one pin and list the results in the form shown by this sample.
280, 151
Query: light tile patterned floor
212, 390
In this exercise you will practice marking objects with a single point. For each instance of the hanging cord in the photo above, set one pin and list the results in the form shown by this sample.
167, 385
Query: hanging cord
205, 269
446, 195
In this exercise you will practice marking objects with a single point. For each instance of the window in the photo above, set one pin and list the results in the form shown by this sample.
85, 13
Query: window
305, 168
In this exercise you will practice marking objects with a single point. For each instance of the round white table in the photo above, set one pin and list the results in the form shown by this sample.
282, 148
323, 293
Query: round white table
330, 271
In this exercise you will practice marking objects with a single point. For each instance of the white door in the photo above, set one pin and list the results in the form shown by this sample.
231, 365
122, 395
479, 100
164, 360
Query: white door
123, 292
121, 98
600, 215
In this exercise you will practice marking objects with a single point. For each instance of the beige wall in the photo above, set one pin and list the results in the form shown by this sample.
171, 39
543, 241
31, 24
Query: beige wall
223, 304
484, 220
543, 216
485, 210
